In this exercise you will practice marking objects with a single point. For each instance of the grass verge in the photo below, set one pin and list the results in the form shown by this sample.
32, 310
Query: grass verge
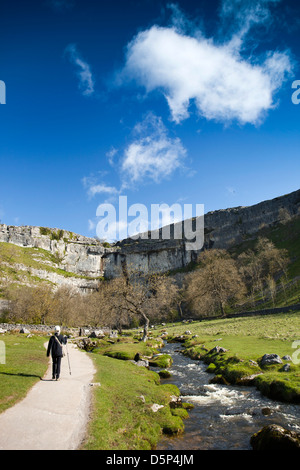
25, 364
122, 417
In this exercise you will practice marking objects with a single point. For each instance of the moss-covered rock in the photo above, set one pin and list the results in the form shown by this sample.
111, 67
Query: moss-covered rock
181, 412
162, 361
274, 437
164, 374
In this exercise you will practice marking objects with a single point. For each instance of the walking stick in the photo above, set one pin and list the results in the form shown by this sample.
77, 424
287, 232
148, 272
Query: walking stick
68, 358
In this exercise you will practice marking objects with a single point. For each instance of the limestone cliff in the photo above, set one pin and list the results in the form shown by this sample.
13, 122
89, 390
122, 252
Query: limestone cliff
76, 253
88, 259
222, 229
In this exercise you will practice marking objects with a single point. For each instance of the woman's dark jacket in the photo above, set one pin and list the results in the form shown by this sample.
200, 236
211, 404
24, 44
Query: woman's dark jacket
54, 347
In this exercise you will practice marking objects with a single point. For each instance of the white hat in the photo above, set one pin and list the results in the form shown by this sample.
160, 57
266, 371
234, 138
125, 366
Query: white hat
57, 329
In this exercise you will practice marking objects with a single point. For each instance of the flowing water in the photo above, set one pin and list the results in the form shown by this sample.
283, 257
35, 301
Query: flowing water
224, 417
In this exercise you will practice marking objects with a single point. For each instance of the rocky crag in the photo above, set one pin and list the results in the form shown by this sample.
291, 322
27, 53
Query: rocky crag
222, 229
73, 261
86, 259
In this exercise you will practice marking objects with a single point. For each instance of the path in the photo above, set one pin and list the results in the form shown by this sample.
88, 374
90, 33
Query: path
54, 414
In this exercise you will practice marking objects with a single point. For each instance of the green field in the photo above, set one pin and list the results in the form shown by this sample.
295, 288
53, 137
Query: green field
25, 364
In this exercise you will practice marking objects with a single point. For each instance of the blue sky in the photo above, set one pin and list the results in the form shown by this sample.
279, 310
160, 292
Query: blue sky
183, 102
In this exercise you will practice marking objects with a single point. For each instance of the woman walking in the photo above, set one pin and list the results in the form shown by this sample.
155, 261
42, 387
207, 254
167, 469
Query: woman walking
55, 347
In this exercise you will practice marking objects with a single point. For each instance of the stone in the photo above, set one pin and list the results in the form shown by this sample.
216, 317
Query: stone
84, 331
155, 407
25, 331
97, 334
286, 368
141, 363
287, 358
275, 437
269, 359
175, 402
218, 350
266, 411
248, 380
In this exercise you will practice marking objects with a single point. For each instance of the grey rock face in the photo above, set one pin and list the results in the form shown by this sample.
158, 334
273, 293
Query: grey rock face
222, 229
77, 254
87, 256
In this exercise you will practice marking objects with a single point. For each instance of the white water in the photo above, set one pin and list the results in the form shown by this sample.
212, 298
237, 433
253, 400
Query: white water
224, 417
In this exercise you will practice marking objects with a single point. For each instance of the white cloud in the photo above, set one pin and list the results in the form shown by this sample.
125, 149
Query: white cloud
102, 188
111, 155
93, 187
86, 81
153, 154
223, 85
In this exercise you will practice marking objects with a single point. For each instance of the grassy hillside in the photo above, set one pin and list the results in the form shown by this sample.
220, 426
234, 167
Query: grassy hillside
284, 236
18, 266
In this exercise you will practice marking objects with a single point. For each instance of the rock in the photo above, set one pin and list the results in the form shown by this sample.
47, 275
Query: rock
25, 331
141, 363
286, 368
248, 380
164, 374
218, 350
266, 411
2, 330
187, 332
95, 384
268, 359
175, 402
274, 437
97, 334
84, 331
287, 358
253, 363
155, 407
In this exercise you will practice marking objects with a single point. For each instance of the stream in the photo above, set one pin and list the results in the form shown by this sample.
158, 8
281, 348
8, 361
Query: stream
224, 417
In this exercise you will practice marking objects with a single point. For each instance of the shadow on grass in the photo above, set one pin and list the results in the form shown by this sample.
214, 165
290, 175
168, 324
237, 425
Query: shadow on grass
20, 374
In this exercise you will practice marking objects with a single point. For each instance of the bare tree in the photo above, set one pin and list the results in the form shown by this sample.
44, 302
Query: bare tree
216, 283
145, 297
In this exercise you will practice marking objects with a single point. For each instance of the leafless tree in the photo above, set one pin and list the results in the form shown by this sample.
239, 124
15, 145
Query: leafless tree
216, 283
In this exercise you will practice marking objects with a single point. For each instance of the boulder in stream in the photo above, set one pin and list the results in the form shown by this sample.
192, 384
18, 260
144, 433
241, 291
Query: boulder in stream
275, 437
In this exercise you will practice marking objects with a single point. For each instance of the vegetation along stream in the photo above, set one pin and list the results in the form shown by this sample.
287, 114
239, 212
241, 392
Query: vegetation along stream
224, 417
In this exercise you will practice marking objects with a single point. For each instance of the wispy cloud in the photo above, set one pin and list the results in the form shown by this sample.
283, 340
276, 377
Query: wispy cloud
222, 83
93, 187
152, 154
86, 80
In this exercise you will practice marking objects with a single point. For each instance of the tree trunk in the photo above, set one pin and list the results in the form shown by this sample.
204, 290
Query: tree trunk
146, 328
222, 309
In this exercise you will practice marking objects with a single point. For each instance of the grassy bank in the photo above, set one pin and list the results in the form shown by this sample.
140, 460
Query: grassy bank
25, 364
122, 417
246, 340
